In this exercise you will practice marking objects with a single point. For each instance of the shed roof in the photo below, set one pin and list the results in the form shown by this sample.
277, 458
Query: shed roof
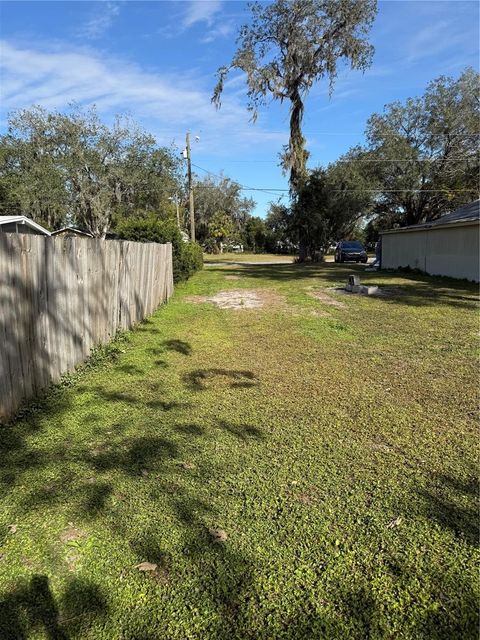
467, 214
80, 232
24, 220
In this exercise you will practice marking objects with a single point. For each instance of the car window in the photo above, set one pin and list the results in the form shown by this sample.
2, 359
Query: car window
354, 244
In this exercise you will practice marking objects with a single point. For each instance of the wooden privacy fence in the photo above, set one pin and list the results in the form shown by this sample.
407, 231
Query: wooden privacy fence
60, 297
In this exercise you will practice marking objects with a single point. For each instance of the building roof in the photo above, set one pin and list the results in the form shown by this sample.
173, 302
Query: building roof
465, 215
80, 232
24, 220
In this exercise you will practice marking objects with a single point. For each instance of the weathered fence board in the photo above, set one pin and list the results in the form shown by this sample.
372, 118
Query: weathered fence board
60, 297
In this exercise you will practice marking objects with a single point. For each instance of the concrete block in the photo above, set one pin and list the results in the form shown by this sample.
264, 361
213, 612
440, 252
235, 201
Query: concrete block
353, 288
368, 290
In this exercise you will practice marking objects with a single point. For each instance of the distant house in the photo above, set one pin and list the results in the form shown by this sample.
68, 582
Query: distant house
21, 224
448, 246
72, 232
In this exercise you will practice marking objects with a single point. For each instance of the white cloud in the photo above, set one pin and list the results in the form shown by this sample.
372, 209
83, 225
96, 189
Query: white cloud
100, 22
223, 30
166, 105
200, 11
434, 40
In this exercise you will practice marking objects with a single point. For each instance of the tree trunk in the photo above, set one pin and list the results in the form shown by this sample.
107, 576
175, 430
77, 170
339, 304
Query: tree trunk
297, 159
302, 249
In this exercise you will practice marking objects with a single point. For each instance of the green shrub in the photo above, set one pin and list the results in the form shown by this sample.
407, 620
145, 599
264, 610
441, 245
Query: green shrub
187, 256
192, 258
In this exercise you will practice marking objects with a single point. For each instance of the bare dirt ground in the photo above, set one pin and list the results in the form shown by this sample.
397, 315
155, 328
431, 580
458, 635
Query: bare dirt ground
240, 299
326, 299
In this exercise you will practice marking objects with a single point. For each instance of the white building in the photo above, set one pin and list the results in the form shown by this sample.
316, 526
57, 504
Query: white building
21, 224
448, 246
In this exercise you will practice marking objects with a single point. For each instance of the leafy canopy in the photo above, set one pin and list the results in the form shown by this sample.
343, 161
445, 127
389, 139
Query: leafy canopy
424, 154
72, 168
220, 209
287, 47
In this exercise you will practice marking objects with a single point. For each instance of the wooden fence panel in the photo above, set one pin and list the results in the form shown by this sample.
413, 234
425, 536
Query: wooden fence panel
60, 297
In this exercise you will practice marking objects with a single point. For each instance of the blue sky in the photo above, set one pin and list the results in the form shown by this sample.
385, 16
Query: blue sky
157, 61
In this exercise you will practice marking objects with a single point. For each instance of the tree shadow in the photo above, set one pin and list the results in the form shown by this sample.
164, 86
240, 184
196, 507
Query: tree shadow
453, 504
134, 455
242, 431
420, 290
166, 406
179, 346
95, 499
132, 369
16, 454
197, 380
190, 429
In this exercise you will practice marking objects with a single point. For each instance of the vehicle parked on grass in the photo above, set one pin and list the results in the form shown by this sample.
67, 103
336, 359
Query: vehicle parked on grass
350, 251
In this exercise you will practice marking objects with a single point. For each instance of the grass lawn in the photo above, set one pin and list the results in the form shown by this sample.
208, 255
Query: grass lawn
331, 440
246, 257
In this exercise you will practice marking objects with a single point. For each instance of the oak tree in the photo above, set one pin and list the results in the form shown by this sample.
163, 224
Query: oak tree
287, 47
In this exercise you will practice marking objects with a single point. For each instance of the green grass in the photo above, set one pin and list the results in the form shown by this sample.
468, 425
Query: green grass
335, 446
246, 257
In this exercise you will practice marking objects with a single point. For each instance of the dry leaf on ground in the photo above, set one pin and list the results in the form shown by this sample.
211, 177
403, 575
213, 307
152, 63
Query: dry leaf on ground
218, 535
187, 465
146, 566
394, 523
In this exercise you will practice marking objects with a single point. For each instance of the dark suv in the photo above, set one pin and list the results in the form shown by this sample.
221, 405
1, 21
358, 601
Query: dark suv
350, 250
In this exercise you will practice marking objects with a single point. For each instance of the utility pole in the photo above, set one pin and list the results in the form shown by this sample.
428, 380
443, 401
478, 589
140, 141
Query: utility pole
175, 199
190, 190
178, 212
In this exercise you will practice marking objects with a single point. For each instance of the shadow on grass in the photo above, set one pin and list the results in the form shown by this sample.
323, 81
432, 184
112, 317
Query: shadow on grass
421, 290
179, 346
31, 608
133, 456
242, 431
222, 573
198, 379
453, 504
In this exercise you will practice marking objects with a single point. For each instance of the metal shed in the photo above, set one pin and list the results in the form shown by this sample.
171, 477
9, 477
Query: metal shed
448, 246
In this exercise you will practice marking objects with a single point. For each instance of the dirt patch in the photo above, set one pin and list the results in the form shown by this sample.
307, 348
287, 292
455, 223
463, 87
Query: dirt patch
324, 298
72, 561
71, 534
240, 299
232, 277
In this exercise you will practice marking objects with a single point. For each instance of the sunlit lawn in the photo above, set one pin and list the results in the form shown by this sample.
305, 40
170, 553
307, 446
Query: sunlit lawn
246, 257
332, 441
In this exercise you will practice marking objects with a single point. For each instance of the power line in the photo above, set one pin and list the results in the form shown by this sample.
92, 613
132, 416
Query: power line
393, 135
242, 187
356, 160
275, 190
